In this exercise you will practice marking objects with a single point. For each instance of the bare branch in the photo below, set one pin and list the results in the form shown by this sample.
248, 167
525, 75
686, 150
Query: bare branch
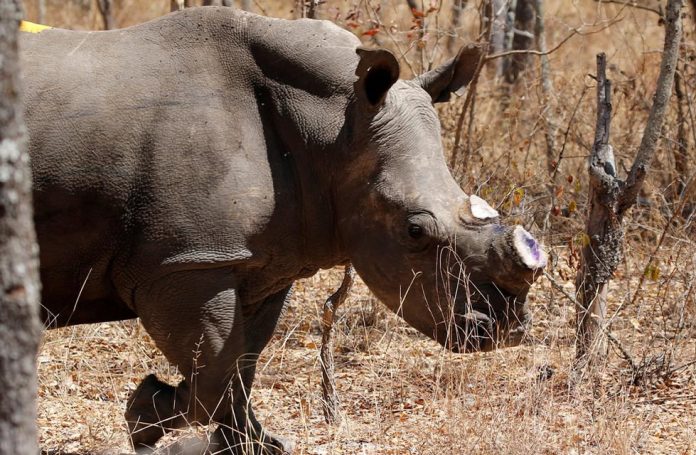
574, 32
471, 92
328, 381
646, 5
646, 151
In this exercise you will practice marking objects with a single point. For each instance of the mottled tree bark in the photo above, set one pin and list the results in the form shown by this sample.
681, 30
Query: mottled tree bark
19, 281
610, 197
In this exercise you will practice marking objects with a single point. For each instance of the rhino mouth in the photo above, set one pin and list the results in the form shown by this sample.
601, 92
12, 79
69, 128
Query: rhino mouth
489, 324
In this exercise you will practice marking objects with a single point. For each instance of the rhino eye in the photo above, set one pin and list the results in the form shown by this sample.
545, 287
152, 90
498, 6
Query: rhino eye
415, 231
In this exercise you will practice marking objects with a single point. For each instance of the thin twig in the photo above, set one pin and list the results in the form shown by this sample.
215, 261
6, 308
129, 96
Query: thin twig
567, 131
604, 328
654, 252
556, 47
470, 94
633, 4
646, 150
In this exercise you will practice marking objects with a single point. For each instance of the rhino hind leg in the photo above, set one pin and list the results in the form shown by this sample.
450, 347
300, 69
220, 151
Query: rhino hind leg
215, 342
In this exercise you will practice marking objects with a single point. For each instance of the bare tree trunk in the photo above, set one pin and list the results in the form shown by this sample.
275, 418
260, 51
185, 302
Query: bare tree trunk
300, 9
547, 89
106, 10
20, 330
456, 22
681, 151
331, 403
312, 6
497, 44
610, 198
520, 36
42, 11
176, 5
601, 252
218, 2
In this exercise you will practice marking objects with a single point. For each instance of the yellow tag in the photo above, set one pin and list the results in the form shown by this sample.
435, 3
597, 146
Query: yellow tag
26, 26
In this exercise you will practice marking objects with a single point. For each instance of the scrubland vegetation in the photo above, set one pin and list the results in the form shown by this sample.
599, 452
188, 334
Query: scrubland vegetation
401, 393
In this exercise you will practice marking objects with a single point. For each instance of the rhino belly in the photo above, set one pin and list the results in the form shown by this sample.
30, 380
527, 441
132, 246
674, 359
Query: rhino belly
78, 235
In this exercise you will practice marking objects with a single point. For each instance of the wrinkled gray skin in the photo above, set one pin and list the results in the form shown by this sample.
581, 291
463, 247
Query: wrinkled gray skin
188, 170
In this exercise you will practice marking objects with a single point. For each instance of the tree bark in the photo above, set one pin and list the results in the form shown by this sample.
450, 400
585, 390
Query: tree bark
19, 281
176, 5
218, 2
331, 403
312, 6
107, 14
42, 11
601, 252
547, 89
520, 36
681, 151
610, 197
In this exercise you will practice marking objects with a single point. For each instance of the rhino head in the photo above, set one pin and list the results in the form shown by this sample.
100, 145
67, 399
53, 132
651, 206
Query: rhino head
436, 256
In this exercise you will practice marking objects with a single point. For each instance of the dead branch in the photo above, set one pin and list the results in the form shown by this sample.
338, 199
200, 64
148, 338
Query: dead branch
681, 151
573, 33
610, 197
520, 36
468, 101
567, 132
331, 403
107, 14
646, 151
547, 89
653, 6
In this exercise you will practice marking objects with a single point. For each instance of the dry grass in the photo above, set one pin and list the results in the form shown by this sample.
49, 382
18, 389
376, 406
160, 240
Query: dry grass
401, 393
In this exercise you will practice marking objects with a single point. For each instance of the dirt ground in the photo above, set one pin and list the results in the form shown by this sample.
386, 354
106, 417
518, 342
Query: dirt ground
401, 393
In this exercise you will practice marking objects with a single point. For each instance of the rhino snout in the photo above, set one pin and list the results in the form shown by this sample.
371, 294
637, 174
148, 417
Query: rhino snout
528, 251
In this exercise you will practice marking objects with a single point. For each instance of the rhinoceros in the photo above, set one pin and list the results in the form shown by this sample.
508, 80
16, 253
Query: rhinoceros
188, 170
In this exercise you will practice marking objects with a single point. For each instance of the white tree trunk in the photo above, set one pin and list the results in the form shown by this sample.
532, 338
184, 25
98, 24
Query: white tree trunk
19, 280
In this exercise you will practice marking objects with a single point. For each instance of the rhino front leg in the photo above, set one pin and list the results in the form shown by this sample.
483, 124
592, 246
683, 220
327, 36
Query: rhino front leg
243, 431
198, 322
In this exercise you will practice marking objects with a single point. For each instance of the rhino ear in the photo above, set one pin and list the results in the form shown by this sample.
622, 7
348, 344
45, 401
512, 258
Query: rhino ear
377, 71
452, 76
